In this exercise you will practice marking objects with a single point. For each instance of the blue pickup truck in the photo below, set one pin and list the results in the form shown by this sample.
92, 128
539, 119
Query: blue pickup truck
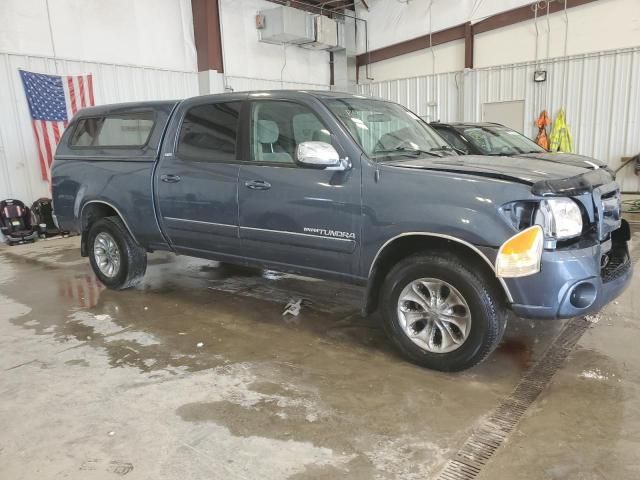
346, 188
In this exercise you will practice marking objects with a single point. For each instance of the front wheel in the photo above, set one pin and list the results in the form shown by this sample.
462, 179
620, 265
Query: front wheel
440, 314
115, 257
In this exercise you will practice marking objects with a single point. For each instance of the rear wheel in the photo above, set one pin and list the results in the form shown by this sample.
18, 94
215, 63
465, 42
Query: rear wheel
115, 257
440, 314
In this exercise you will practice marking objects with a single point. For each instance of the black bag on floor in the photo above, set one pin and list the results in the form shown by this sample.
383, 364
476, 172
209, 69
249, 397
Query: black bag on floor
15, 222
42, 218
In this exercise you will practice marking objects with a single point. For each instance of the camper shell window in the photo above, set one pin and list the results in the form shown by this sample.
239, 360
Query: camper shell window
114, 130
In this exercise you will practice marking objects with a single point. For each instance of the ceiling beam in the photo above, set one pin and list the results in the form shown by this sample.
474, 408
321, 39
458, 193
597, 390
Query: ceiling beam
413, 45
522, 14
457, 32
316, 6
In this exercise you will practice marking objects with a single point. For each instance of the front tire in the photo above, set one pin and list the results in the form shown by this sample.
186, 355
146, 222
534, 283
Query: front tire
440, 314
115, 257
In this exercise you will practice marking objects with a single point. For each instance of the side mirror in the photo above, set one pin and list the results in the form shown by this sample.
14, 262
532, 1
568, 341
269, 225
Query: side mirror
320, 155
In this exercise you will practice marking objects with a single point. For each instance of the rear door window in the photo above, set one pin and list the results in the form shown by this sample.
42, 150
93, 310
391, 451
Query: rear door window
209, 133
118, 130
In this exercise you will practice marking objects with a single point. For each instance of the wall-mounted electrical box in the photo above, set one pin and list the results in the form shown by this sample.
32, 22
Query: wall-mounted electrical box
286, 25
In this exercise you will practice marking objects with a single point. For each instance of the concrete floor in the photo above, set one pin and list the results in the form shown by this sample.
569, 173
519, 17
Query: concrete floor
198, 374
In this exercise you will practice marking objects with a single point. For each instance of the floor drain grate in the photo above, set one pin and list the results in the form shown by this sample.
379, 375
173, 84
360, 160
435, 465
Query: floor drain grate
482, 444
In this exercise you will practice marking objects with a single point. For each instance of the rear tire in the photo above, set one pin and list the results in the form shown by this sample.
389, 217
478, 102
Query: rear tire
440, 314
115, 257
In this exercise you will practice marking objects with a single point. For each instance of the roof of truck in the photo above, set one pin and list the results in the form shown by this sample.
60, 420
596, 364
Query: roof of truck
285, 94
169, 104
127, 107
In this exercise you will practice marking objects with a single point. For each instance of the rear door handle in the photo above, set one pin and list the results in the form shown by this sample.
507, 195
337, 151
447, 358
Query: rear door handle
170, 178
257, 185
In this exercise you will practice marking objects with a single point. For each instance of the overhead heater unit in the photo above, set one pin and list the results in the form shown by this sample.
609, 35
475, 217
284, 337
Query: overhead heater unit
325, 32
285, 25
341, 41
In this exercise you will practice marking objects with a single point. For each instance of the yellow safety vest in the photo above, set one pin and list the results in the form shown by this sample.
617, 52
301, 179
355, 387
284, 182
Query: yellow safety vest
561, 139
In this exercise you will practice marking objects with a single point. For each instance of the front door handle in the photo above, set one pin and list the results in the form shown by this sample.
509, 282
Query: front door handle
170, 178
257, 185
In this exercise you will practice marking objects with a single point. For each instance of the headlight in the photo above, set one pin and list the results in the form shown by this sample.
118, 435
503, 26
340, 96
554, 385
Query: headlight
520, 214
559, 218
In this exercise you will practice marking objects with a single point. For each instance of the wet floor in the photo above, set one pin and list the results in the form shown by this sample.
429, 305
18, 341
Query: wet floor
197, 374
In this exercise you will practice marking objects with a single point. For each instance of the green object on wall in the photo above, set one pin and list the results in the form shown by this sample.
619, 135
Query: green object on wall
561, 139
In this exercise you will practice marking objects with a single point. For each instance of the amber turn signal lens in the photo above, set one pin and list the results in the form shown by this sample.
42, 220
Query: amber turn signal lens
521, 254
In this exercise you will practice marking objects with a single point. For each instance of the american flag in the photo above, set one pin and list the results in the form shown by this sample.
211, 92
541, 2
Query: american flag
53, 100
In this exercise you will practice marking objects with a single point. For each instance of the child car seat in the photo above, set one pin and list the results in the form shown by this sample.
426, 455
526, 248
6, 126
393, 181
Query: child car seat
42, 218
15, 222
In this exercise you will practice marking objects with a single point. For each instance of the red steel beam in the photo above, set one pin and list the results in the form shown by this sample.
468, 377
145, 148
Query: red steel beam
522, 14
458, 32
206, 32
413, 45
468, 45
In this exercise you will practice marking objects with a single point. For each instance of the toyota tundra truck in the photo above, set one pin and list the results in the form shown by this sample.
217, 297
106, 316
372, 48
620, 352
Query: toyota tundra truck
346, 188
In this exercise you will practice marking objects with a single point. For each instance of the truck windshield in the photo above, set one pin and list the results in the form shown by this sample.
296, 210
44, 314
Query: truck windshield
499, 140
385, 129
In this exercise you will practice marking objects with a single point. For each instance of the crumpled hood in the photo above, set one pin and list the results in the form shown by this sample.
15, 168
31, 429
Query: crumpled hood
566, 158
524, 170
549, 177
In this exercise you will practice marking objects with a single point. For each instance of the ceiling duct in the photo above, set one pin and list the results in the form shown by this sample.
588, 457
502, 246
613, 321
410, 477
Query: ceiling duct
290, 26
285, 25
325, 32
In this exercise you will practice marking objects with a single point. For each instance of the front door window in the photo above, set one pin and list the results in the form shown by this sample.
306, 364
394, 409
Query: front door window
277, 128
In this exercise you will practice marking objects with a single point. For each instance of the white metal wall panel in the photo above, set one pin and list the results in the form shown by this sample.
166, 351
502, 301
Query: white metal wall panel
19, 167
432, 97
245, 84
598, 91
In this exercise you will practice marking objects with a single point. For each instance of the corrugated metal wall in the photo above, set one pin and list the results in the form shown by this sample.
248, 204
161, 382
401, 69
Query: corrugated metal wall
599, 92
432, 97
19, 169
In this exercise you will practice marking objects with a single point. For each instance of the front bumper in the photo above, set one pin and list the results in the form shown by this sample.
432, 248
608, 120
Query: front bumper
573, 282
20, 237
